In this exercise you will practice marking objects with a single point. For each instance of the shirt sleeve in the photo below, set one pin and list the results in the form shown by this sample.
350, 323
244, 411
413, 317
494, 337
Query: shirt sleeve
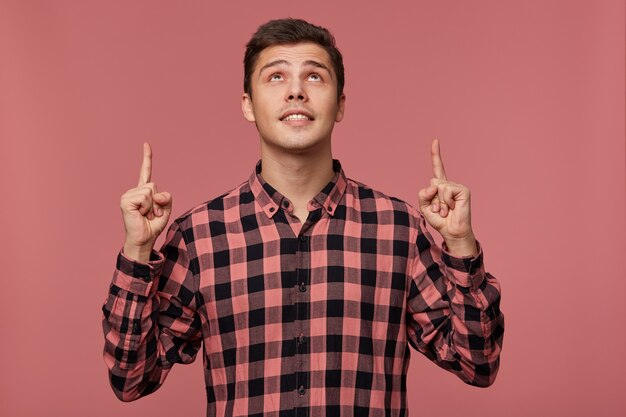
149, 318
453, 310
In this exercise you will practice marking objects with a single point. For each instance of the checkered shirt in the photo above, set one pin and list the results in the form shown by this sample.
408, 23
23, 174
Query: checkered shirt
310, 319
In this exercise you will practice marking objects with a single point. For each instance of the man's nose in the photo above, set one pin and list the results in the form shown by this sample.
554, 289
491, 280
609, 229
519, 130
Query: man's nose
296, 91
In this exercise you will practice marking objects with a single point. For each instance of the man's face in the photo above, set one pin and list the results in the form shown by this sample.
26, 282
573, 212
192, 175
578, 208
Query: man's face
294, 97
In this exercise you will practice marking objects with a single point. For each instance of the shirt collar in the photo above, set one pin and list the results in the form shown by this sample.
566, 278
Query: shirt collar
271, 200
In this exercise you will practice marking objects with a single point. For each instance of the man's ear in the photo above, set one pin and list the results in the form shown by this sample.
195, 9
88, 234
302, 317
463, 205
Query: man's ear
246, 107
341, 107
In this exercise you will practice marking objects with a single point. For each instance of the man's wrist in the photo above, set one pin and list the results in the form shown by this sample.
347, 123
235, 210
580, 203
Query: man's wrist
462, 248
137, 253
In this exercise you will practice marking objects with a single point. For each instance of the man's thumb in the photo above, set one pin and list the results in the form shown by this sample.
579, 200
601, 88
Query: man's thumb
163, 198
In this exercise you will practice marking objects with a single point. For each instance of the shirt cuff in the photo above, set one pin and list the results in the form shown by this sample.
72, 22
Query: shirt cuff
468, 271
138, 277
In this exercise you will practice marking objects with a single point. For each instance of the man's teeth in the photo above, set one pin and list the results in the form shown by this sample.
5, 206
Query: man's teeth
296, 117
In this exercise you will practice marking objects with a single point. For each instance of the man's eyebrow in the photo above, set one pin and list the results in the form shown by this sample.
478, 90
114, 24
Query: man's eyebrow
319, 65
309, 62
273, 64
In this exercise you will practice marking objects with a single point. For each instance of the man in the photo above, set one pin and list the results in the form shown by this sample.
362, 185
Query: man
305, 286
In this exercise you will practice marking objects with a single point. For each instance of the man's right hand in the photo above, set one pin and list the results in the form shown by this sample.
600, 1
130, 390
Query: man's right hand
145, 212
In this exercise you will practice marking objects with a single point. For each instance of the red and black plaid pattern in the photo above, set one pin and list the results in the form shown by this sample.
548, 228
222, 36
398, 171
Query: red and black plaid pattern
297, 319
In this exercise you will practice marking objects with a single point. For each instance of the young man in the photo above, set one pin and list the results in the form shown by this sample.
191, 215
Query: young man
305, 286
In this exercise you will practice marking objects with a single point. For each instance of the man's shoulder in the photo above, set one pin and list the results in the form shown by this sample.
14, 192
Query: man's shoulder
216, 206
371, 199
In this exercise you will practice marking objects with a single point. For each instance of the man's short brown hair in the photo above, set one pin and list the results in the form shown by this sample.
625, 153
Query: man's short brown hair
290, 31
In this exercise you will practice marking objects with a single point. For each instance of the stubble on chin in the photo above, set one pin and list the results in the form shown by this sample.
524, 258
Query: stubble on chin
292, 145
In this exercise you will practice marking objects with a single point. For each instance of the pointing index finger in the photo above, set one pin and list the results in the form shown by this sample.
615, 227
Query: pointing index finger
146, 165
438, 170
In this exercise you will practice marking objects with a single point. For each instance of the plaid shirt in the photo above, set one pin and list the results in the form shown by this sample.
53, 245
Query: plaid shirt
300, 319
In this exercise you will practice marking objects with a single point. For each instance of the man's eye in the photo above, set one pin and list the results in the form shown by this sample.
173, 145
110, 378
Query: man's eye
276, 77
315, 77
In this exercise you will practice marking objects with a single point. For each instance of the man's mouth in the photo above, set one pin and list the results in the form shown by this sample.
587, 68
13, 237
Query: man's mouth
296, 115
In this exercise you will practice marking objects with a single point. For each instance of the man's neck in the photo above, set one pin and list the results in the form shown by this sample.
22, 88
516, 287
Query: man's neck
299, 177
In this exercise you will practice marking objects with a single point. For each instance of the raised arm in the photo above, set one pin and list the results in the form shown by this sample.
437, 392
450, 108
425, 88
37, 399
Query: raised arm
453, 305
149, 317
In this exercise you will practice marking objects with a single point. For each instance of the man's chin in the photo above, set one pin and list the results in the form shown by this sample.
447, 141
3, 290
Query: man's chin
294, 146
297, 148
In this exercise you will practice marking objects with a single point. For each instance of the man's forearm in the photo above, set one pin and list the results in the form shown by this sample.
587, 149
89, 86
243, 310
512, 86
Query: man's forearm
133, 373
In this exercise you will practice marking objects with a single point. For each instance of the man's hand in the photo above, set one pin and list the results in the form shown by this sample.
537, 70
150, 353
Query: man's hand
145, 212
446, 207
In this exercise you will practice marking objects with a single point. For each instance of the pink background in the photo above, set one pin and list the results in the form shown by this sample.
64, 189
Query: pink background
527, 98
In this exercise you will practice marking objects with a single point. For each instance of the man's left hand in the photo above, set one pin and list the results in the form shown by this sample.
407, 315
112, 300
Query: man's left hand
446, 207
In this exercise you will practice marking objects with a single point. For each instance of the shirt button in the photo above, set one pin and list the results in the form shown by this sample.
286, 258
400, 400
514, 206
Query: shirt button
285, 203
302, 339
302, 287
301, 390
272, 209
330, 208
303, 238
